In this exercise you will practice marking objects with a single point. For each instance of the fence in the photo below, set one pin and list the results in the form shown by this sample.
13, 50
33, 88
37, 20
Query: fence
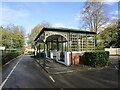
113, 51
7, 51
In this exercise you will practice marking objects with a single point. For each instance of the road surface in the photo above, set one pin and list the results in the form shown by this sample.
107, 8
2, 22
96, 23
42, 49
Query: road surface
27, 74
24, 72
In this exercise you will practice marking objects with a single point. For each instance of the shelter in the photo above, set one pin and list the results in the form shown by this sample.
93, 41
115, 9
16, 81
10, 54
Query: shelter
64, 45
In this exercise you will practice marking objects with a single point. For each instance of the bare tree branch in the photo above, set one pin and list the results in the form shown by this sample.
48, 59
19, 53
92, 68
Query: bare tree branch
93, 15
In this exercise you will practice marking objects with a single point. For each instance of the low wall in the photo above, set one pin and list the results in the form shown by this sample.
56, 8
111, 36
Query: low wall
113, 51
70, 58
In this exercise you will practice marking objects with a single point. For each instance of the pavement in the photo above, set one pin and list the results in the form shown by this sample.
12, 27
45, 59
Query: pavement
25, 72
53, 67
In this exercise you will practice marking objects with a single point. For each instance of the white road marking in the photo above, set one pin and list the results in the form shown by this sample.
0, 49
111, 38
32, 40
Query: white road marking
116, 68
3, 83
52, 78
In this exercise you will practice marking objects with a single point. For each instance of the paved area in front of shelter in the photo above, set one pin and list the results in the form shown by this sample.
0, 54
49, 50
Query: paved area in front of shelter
53, 67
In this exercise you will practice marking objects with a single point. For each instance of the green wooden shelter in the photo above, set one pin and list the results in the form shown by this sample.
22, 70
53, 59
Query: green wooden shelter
64, 45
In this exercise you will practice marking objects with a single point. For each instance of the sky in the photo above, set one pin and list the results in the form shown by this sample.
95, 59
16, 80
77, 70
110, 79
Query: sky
58, 14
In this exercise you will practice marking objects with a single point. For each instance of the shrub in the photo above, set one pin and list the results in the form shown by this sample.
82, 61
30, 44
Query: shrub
9, 56
30, 52
40, 55
97, 58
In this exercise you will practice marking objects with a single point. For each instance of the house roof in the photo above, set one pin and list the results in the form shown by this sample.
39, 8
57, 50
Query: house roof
63, 30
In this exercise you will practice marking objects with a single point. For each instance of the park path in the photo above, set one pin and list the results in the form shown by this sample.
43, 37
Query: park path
27, 74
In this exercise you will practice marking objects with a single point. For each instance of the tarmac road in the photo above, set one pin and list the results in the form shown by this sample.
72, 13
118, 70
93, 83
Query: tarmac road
26, 73
103, 78
115, 60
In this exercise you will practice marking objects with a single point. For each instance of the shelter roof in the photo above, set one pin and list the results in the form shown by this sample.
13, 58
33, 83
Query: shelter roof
63, 30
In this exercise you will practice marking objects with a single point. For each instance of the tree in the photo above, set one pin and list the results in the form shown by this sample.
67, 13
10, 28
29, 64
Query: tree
1, 29
109, 36
118, 40
1, 36
35, 31
93, 15
6, 38
13, 37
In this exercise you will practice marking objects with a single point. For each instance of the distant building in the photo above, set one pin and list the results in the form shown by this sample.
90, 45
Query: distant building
28, 48
2, 48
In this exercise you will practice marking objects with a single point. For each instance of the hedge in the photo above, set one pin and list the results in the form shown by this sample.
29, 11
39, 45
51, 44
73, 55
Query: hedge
31, 52
97, 58
40, 55
9, 56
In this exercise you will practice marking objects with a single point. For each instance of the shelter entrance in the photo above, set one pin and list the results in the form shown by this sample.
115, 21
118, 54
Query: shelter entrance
56, 46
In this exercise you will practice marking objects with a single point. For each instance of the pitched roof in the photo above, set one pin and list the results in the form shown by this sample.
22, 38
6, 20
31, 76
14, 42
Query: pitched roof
63, 30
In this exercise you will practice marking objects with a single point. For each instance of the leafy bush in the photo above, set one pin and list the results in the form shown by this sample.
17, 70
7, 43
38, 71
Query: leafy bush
31, 52
97, 58
40, 55
9, 56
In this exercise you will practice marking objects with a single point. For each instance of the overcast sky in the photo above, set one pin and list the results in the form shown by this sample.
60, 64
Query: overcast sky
59, 14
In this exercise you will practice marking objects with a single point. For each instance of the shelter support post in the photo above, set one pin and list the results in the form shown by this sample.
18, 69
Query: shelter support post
77, 43
86, 44
39, 53
94, 43
44, 56
69, 44
62, 44
65, 47
34, 51
57, 45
